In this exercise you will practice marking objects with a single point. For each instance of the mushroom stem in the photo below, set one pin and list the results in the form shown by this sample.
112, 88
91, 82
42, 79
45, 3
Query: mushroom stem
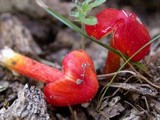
27, 66
112, 63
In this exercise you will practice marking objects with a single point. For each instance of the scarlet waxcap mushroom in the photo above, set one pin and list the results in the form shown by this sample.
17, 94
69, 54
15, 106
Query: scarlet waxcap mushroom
79, 84
75, 84
131, 36
128, 33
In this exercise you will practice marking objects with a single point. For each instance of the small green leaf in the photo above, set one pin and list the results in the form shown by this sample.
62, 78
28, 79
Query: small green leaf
84, 7
91, 20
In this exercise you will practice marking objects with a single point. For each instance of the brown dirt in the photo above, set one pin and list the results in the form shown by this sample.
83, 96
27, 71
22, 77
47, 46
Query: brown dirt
134, 95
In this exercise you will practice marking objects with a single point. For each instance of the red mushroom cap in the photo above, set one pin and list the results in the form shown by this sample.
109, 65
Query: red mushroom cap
129, 34
79, 83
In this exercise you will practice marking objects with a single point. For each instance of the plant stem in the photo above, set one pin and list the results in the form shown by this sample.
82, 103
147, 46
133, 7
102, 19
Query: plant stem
83, 37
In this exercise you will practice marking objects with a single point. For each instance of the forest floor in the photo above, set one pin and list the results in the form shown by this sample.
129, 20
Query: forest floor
26, 28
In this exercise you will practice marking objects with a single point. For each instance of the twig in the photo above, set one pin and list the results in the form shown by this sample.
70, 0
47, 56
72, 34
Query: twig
144, 89
104, 76
146, 102
131, 105
136, 74
83, 37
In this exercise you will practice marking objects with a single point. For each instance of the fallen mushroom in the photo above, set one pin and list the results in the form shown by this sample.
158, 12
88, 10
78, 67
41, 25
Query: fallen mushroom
128, 35
76, 83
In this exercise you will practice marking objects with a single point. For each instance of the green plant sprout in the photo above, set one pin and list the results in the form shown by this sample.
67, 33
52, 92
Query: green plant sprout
81, 10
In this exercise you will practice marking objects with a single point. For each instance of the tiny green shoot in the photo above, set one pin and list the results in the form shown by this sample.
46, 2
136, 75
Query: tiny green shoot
81, 11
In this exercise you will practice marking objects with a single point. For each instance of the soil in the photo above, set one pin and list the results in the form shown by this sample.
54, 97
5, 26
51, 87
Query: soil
134, 94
